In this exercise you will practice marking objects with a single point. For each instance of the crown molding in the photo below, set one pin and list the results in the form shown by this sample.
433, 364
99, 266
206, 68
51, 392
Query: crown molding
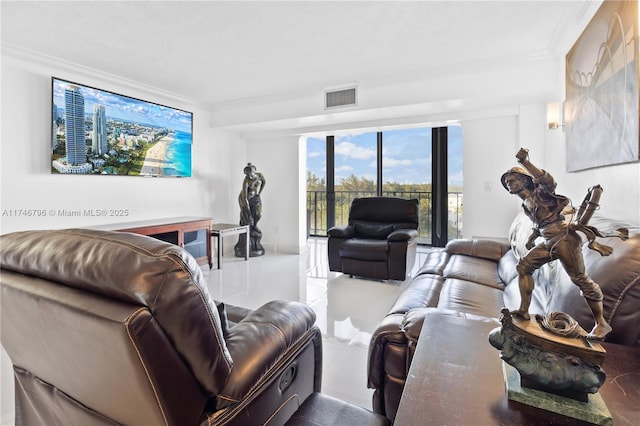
42, 63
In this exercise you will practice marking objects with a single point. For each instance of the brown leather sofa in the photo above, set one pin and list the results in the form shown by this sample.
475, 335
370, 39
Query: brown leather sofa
476, 278
116, 328
380, 240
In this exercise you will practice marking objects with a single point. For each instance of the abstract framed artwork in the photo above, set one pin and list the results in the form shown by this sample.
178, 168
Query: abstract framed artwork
601, 105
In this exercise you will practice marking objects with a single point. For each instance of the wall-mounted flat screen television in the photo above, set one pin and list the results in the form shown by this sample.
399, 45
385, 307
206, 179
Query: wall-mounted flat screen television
99, 132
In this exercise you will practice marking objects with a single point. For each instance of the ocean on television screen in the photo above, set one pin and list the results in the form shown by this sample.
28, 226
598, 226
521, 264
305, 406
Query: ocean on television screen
178, 154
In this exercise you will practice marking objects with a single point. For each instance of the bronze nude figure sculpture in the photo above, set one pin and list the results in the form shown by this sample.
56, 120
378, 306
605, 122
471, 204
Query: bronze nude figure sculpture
251, 211
536, 188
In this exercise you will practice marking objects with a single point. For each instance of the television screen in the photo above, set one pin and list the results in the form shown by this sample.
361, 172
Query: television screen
99, 132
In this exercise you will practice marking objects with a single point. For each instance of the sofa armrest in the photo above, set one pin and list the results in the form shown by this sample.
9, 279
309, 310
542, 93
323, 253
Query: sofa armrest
403, 235
235, 314
485, 249
388, 332
341, 231
402, 331
259, 343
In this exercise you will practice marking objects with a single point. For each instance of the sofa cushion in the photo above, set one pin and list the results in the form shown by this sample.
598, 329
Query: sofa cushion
341, 232
470, 298
378, 231
434, 262
385, 209
618, 276
507, 267
473, 269
365, 249
539, 298
543, 277
424, 291
484, 249
519, 233
402, 235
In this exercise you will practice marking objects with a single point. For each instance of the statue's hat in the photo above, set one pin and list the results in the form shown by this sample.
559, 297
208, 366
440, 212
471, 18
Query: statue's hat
515, 170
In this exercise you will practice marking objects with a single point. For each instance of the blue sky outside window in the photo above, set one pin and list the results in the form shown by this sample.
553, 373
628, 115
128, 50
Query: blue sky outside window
406, 156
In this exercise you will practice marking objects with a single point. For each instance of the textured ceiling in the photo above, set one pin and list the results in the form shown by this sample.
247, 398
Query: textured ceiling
216, 52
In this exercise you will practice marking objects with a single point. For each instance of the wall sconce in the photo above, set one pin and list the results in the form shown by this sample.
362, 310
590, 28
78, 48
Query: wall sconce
554, 115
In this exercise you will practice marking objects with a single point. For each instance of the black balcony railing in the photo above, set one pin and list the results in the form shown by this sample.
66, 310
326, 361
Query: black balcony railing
317, 211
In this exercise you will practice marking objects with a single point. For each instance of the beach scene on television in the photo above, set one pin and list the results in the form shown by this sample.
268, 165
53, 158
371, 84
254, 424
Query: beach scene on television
100, 132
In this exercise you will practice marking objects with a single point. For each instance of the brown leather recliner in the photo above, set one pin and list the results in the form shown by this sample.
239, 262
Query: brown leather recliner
109, 328
380, 240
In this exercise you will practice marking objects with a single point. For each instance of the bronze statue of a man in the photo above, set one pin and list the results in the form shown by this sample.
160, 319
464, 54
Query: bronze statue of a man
544, 207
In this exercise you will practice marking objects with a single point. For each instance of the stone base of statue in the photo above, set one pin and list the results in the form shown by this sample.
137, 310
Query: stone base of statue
255, 247
593, 410
557, 373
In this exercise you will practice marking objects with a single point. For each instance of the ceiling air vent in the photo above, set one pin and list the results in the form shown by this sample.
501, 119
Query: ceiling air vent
340, 98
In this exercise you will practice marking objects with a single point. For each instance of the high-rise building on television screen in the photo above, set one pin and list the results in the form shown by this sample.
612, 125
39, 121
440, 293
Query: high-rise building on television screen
74, 126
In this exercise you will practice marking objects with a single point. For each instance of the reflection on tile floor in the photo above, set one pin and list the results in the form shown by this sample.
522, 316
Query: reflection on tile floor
348, 309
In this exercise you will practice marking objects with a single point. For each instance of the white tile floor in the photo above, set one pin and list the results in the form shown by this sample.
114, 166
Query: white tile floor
348, 311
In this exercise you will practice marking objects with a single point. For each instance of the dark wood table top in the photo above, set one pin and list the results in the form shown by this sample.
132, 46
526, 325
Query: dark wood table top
456, 379
150, 223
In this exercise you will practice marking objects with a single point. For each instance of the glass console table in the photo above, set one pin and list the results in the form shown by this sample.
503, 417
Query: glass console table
221, 230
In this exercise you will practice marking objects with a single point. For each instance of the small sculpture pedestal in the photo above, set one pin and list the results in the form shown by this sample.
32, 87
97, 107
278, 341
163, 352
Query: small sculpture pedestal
253, 243
555, 373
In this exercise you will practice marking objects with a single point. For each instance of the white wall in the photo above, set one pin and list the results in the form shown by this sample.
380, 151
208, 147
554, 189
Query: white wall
488, 147
277, 158
433, 96
218, 160
491, 138
25, 175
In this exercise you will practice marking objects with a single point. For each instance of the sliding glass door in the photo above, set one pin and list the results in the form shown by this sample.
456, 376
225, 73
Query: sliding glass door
406, 171
405, 163
355, 171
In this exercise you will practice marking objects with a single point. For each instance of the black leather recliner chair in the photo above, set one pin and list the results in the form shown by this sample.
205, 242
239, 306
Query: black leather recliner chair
108, 328
380, 240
